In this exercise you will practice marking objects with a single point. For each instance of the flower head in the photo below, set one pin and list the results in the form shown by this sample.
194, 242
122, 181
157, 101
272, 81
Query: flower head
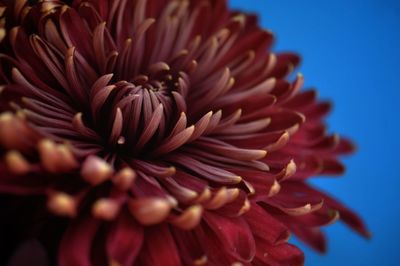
167, 133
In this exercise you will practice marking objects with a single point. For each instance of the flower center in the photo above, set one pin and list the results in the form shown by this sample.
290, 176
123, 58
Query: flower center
140, 113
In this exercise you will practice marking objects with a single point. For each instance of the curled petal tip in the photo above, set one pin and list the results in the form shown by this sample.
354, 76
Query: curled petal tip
95, 170
201, 261
190, 218
149, 211
3, 34
114, 263
6, 116
233, 193
125, 178
335, 215
245, 208
62, 204
171, 171
222, 197
275, 188
281, 142
288, 171
48, 155
204, 196
261, 154
236, 179
16, 163
106, 209
158, 67
66, 156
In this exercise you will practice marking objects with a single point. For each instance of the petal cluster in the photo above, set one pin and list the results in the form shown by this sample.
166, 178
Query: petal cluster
165, 132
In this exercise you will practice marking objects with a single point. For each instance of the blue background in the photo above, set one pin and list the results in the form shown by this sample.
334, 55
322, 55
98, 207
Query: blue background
350, 52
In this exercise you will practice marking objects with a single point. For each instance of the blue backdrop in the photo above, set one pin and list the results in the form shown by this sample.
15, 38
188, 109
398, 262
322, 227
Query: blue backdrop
350, 52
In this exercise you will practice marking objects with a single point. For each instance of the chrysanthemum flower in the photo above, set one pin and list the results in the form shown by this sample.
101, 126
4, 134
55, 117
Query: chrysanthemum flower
162, 132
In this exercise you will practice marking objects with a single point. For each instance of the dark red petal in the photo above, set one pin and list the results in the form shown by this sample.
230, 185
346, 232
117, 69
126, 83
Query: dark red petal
265, 226
282, 255
124, 240
191, 248
234, 235
75, 247
311, 236
346, 215
159, 248
345, 146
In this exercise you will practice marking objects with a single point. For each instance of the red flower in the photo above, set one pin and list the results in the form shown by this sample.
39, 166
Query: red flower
167, 131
